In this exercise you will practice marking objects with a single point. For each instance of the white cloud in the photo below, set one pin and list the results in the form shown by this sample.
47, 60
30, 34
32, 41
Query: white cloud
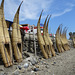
59, 14
31, 9
70, 4
63, 8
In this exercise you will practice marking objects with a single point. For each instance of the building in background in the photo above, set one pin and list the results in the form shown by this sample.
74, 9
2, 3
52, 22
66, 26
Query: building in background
30, 28
27, 28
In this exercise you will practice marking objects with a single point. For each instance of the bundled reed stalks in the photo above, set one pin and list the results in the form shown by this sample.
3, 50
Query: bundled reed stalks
5, 43
64, 40
40, 38
67, 43
47, 46
58, 41
49, 39
16, 37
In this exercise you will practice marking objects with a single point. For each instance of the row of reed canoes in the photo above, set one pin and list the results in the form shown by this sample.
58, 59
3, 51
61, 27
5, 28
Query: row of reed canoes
45, 42
13, 45
9, 46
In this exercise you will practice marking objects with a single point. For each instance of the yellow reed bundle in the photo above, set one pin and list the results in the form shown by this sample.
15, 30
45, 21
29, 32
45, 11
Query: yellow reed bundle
40, 38
67, 43
49, 39
17, 52
0, 20
63, 43
5, 55
2, 39
58, 41
7, 38
16, 20
19, 35
64, 40
9, 53
6, 33
16, 37
5, 44
47, 46
1, 28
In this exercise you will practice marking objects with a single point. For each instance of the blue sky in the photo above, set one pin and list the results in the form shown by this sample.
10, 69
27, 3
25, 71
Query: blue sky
63, 12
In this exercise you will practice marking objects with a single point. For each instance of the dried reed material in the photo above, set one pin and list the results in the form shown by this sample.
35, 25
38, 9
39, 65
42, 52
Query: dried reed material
47, 46
9, 54
49, 39
58, 41
17, 52
67, 43
4, 39
0, 21
40, 38
4, 22
63, 43
0, 11
5, 29
7, 38
64, 40
14, 26
5, 55
19, 35
16, 21
16, 37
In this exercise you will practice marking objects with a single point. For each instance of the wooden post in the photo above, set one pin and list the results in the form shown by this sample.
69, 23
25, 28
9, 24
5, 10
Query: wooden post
34, 42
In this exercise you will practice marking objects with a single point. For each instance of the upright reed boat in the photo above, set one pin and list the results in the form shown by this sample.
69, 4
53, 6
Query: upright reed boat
64, 40
49, 39
40, 38
58, 41
16, 37
47, 46
5, 43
